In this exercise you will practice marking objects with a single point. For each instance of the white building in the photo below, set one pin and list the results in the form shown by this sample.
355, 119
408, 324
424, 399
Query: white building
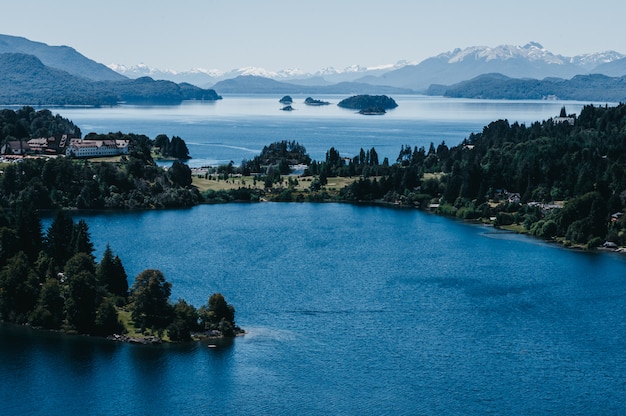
96, 148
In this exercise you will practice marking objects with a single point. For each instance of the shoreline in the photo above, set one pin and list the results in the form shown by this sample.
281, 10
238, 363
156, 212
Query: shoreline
378, 203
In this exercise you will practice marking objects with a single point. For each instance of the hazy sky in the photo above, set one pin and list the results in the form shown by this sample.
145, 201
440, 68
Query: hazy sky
309, 35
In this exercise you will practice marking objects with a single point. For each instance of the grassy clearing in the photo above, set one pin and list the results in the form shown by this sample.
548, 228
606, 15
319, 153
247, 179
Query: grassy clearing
214, 184
304, 184
518, 228
110, 159
126, 320
437, 175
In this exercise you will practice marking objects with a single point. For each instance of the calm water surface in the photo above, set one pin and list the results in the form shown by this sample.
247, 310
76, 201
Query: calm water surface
350, 310
238, 126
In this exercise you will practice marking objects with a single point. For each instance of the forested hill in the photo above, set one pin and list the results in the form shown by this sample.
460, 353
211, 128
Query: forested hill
593, 87
26, 80
551, 160
27, 123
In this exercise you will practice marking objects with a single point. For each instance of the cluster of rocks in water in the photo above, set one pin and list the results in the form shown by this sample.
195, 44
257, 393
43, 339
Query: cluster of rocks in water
366, 104
287, 100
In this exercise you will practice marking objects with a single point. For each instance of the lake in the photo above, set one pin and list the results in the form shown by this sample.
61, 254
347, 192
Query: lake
349, 309
238, 126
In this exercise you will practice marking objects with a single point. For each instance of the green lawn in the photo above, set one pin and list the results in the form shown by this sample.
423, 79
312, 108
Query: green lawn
248, 182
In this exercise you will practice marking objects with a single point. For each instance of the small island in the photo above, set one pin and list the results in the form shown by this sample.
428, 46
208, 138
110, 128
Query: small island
314, 102
369, 104
287, 108
286, 100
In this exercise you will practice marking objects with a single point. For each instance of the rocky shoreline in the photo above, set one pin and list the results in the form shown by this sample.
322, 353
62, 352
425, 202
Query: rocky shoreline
147, 340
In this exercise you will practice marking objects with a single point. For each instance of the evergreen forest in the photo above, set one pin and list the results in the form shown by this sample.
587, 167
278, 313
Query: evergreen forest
52, 281
560, 179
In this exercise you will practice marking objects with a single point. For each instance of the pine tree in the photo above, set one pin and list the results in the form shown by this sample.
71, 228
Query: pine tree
59, 238
111, 274
81, 239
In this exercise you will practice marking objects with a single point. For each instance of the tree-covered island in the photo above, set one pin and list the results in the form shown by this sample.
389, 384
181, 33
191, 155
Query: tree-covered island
369, 104
315, 103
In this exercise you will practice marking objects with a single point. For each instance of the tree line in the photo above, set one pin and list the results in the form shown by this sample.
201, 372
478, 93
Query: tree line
583, 164
509, 171
52, 280
27, 123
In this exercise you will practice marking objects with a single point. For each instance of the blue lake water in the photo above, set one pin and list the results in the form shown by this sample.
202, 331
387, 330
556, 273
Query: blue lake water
238, 126
349, 309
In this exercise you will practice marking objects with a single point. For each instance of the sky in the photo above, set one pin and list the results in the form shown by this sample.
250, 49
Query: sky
308, 35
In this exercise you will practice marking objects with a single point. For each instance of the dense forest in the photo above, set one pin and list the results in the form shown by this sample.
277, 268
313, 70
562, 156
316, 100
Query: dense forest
27, 123
562, 179
51, 280
514, 173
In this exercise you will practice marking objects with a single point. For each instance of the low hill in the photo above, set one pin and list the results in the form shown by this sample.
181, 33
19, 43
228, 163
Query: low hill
497, 86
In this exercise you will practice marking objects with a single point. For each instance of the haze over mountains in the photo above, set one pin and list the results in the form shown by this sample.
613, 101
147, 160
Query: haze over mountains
59, 57
208, 77
33, 73
36, 73
529, 61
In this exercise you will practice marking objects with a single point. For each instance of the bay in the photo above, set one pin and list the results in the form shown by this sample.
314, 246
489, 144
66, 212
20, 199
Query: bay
349, 309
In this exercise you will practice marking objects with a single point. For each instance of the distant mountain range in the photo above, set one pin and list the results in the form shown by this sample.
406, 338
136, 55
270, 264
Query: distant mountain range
529, 61
63, 58
252, 84
208, 78
34, 73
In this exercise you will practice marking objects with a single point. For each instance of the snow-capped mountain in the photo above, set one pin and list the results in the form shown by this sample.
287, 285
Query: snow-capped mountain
532, 51
529, 61
196, 76
207, 78
591, 61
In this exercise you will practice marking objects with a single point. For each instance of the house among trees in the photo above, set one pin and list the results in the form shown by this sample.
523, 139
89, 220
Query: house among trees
51, 146
96, 148
15, 147
564, 118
